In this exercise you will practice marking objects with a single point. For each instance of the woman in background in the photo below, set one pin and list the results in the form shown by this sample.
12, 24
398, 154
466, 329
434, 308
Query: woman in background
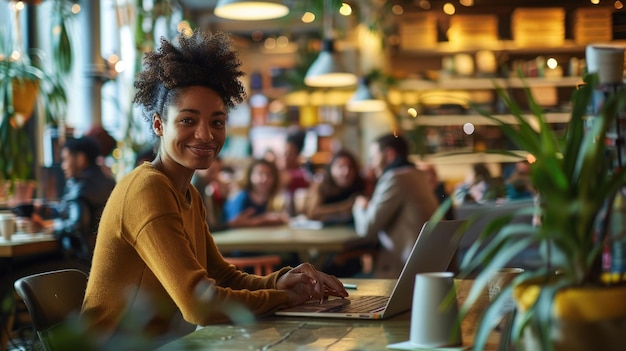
330, 199
214, 192
255, 203
479, 186
332, 193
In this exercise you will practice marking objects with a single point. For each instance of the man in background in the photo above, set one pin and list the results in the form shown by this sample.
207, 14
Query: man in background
401, 203
87, 189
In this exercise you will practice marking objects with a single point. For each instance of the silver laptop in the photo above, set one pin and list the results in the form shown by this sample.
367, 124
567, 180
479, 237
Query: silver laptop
432, 252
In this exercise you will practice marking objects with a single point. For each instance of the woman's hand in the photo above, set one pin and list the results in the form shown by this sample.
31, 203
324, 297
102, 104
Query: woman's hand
244, 219
247, 218
273, 218
305, 282
361, 202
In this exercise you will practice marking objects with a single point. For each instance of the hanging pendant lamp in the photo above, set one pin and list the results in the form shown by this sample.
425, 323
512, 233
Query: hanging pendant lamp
363, 100
327, 71
250, 10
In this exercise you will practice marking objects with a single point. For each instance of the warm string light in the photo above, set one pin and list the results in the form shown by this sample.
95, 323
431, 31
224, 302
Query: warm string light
449, 9
345, 9
308, 17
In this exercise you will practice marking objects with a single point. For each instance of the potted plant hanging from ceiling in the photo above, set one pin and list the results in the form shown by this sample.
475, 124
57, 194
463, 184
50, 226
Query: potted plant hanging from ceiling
19, 87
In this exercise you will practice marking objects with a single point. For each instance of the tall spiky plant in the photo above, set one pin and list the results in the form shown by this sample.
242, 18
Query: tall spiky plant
575, 181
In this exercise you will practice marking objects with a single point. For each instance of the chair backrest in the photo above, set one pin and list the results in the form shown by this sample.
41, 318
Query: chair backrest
52, 297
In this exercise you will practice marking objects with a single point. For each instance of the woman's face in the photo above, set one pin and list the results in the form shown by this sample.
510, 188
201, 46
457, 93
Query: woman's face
195, 130
261, 178
342, 172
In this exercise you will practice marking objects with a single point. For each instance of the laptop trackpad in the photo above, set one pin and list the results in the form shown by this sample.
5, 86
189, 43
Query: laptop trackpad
315, 306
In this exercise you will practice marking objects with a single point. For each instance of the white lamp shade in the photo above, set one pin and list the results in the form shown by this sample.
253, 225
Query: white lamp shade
248, 10
364, 101
326, 71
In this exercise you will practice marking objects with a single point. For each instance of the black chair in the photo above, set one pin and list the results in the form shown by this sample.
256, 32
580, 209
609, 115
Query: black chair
52, 298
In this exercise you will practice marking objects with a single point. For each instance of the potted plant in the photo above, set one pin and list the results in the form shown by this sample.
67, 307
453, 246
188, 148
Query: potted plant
19, 87
576, 183
22, 84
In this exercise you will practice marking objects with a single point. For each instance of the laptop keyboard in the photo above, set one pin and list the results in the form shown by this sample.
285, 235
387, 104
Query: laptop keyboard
365, 304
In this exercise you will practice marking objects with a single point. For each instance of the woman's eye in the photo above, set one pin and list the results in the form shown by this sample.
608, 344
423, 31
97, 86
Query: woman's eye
219, 123
186, 120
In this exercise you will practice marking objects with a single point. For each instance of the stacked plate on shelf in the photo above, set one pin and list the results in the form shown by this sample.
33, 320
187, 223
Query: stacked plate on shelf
592, 25
418, 31
473, 30
538, 27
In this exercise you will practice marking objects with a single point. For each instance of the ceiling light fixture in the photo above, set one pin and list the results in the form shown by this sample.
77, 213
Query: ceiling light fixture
326, 71
250, 10
363, 100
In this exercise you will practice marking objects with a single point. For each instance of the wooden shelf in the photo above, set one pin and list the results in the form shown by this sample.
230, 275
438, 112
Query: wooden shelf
459, 120
509, 46
469, 157
469, 83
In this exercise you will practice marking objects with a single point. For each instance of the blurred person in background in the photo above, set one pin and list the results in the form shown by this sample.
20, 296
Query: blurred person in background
258, 202
106, 143
403, 200
86, 192
518, 184
294, 175
479, 186
438, 186
214, 193
333, 190
330, 199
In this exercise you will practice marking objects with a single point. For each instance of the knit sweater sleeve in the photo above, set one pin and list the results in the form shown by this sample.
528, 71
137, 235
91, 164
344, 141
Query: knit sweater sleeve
175, 244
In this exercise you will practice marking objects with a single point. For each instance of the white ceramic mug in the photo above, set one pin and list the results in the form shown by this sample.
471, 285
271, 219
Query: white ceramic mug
607, 61
434, 315
7, 225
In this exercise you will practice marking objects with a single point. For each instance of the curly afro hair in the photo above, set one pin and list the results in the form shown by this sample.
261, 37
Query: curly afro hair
204, 59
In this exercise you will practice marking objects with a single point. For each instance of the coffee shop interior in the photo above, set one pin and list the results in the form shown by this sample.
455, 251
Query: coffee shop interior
422, 70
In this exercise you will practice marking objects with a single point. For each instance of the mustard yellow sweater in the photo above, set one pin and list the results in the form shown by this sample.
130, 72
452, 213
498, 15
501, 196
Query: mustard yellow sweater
155, 262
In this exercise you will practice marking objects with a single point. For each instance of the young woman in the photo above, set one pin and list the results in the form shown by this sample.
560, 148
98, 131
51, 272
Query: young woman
479, 186
253, 204
155, 260
330, 199
332, 193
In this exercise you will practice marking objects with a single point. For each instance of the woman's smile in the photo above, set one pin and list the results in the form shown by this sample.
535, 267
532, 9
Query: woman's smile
203, 150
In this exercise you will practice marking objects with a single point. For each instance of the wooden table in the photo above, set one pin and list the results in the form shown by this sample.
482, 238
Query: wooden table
28, 244
298, 333
309, 243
